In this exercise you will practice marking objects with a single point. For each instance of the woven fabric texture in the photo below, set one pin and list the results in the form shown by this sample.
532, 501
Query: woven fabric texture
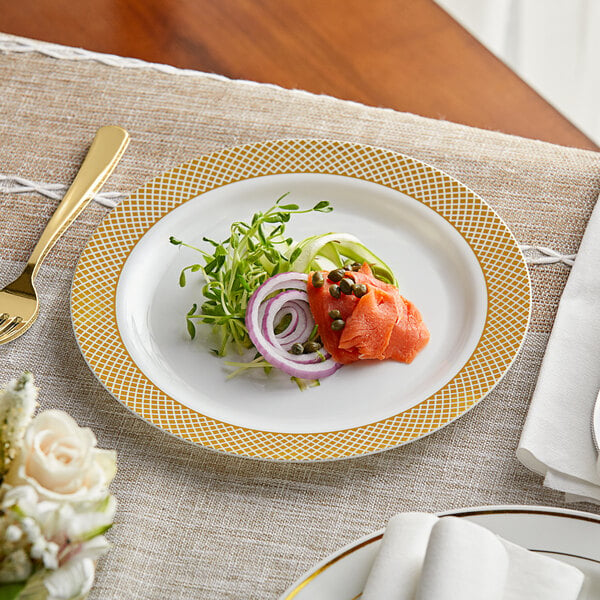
195, 524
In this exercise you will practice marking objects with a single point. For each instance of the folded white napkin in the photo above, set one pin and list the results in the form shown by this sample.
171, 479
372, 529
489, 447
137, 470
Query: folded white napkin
397, 568
556, 440
455, 559
463, 561
532, 575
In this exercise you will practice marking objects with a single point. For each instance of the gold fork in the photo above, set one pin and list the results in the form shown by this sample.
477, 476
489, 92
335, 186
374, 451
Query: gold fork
19, 304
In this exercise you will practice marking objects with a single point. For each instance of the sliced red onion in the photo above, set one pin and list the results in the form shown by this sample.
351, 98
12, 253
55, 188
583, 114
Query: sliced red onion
291, 326
285, 302
262, 314
298, 319
304, 330
300, 335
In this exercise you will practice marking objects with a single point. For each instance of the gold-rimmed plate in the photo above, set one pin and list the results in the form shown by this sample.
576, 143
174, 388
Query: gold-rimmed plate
567, 535
453, 255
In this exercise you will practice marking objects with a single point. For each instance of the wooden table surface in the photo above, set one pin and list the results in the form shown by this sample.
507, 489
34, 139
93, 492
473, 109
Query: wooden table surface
404, 54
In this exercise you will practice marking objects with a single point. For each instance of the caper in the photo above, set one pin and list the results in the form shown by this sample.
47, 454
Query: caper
335, 314
297, 349
348, 266
334, 290
310, 347
346, 285
317, 279
355, 266
360, 289
338, 324
336, 275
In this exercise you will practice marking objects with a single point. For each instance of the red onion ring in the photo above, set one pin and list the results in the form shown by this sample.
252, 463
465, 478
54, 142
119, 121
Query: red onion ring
303, 328
292, 311
306, 324
261, 315
295, 334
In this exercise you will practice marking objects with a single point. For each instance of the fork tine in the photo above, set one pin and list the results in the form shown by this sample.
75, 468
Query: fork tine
15, 330
5, 322
7, 328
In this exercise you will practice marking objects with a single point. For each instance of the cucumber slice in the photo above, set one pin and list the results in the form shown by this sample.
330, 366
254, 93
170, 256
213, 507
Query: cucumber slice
332, 250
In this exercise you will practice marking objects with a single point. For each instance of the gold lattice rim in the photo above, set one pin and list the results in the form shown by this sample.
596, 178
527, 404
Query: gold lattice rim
96, 277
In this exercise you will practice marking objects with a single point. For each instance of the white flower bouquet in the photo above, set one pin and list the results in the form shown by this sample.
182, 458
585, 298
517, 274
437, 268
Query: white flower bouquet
54, 499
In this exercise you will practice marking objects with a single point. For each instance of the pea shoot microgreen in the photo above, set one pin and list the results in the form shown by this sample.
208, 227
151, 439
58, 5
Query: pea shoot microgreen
233, 268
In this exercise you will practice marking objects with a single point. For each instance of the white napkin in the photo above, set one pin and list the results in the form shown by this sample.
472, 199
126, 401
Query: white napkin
397, 567
556, 440
463, 562
426, 558
534, 576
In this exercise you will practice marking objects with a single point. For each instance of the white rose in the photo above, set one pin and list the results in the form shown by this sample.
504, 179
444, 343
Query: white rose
60, 460
72, 581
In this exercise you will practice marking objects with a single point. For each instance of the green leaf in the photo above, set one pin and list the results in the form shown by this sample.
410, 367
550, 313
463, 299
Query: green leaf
220, 261
103, 504
279, 229
261, 235
272, 255
323, 206
211, 309
174, 241
88, 535
242, 281
289, 207
11, 591
213, 295
192, 310
191, 328
182, 278
295, 254
18, 510
214, 265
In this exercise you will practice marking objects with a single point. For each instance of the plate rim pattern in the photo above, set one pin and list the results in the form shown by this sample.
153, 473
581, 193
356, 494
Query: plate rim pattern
93, 295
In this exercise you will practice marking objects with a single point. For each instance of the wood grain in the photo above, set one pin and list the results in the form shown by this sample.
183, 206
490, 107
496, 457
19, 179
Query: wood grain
408, 55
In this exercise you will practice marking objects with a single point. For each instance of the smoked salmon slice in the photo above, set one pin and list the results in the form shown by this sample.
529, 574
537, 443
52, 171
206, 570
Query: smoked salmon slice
379, 325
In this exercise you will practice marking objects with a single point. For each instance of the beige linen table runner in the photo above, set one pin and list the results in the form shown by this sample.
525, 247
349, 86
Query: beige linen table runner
192, 523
